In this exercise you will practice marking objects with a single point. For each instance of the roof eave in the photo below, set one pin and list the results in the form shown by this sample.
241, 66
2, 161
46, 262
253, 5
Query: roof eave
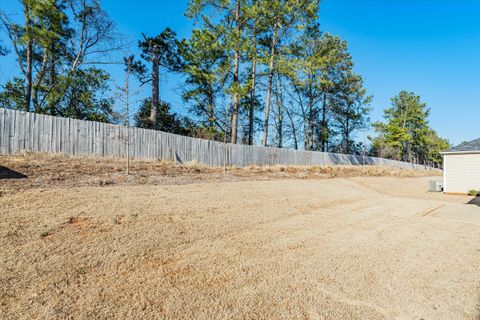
461, 152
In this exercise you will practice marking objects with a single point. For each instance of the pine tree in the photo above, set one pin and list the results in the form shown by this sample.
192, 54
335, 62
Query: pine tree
231, 25
53, 44
320, 60
161, 51
278, 20
350, 109
406, 134
41, 26
204, 65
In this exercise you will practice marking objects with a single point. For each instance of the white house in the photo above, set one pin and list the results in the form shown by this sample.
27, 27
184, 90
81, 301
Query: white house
461, 168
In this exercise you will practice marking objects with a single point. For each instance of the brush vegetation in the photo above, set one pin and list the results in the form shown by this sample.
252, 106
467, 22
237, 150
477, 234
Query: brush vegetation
40, 170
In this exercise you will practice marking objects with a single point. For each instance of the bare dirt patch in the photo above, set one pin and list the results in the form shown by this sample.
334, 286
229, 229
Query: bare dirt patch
342, 248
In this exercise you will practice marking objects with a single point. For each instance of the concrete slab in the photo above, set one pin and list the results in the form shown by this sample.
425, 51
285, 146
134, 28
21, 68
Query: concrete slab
469, 212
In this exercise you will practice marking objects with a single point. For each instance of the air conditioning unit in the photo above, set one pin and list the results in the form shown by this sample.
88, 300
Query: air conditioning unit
436, 186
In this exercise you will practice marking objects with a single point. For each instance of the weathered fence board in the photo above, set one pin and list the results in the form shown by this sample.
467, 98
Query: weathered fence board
23, 131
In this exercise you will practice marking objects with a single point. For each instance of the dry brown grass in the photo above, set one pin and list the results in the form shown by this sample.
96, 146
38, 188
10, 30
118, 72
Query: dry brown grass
284, 249
339, 171
46, 170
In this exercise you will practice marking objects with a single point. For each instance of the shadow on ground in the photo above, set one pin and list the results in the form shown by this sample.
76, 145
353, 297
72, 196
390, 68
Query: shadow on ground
475, 201
6, 173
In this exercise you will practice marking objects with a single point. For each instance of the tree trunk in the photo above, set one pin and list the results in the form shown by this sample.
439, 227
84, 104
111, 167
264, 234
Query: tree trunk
323, 137
36, 106
211, 109
53, 78
236, 97
269, 87
294, 129
38, 81
310, 120
155, 86
305, 127
127, 110
28, 87
347, 131
29, 59
251, 115
303, 119
280, 113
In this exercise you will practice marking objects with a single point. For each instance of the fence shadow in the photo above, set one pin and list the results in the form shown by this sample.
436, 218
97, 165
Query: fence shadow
6, 173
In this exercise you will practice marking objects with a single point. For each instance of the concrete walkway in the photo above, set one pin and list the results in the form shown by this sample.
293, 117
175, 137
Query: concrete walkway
469, 212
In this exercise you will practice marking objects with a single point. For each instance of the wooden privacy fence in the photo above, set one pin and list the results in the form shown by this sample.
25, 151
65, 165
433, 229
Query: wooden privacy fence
24, 131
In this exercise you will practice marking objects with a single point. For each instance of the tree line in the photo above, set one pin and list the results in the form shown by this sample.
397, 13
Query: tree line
252, 71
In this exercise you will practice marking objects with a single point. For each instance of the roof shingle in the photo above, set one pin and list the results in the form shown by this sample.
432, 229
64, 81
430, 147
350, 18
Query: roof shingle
467, 146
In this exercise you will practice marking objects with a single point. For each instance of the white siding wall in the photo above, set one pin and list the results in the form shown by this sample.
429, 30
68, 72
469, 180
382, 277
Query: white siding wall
461, 172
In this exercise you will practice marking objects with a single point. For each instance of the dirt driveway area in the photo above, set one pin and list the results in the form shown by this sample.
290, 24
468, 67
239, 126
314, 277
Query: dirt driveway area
342, 248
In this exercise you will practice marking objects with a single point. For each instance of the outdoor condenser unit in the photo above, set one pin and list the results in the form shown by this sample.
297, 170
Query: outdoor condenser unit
436, 186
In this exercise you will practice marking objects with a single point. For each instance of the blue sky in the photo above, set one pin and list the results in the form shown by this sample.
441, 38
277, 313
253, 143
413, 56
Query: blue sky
431, 47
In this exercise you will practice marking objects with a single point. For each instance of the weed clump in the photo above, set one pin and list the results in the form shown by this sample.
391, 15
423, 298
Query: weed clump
473, 193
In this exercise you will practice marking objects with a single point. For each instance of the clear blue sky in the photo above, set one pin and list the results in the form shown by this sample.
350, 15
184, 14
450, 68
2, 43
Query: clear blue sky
431, 47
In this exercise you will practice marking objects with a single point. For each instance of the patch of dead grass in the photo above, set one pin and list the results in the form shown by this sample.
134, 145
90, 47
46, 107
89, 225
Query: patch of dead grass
296, 249
53, 170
